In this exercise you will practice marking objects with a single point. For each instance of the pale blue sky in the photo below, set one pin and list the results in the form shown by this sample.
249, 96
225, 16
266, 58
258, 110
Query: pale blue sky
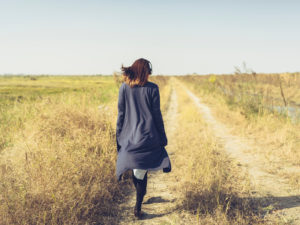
178, 37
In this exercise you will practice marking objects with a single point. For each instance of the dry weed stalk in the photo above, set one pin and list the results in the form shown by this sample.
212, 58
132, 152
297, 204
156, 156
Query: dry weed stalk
281, 91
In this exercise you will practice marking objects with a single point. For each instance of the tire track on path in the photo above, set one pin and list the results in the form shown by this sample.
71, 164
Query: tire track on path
285, 199
159, 202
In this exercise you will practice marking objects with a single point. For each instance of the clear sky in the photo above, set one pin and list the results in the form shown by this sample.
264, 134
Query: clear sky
178, 37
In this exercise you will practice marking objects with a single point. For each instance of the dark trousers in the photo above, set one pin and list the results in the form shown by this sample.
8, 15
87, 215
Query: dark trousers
140, 186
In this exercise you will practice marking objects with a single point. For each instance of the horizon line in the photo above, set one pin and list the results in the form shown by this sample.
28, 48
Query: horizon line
100, 74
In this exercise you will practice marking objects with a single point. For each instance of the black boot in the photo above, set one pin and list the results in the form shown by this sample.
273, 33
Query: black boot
140, 186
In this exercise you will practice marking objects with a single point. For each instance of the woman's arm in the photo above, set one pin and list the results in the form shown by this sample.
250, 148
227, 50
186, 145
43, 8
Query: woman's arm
158, 117
121, 113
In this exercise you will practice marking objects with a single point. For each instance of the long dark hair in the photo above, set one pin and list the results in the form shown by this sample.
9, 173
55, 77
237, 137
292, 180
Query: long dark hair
137, 73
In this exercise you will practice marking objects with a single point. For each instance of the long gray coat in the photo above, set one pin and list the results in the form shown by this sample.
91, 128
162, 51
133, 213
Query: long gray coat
140, 133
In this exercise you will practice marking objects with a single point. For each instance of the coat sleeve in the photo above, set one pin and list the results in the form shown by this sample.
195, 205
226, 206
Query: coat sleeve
121, 113
158, 117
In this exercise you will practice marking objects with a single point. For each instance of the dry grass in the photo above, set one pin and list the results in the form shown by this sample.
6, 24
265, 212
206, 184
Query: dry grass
212, 187
255, 93
60, 169
276, 137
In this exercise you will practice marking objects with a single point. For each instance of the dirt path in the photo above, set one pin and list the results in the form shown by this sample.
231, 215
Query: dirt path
159, 202
280, 195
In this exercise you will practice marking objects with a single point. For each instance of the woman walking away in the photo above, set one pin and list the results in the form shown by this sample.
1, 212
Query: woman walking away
141, 137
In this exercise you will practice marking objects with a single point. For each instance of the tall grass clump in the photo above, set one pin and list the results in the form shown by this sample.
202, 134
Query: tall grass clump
58, 164
61, 170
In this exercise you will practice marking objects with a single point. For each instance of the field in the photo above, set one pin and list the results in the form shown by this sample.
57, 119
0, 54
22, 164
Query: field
234, 144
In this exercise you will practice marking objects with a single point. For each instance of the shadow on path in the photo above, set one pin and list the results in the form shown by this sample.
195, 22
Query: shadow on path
209, 201
148, 216
282, 202
156, 200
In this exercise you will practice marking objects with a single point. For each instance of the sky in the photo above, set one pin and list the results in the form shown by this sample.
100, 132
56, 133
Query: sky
177, 37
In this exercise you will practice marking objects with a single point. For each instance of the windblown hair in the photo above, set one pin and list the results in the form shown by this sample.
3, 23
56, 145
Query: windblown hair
138, 73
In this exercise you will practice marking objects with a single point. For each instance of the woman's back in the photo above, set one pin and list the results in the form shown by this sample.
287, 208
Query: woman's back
141, 125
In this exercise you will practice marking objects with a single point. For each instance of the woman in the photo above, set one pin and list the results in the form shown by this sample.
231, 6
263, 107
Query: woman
141, 137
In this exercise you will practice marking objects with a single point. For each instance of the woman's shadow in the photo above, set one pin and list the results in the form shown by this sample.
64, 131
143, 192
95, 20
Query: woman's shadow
153, 200
156, 200
277, 203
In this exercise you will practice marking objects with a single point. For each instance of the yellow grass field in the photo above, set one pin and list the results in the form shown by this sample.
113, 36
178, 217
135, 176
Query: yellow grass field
235, 156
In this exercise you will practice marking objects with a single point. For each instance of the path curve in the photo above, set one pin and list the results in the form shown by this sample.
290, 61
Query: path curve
287, 199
